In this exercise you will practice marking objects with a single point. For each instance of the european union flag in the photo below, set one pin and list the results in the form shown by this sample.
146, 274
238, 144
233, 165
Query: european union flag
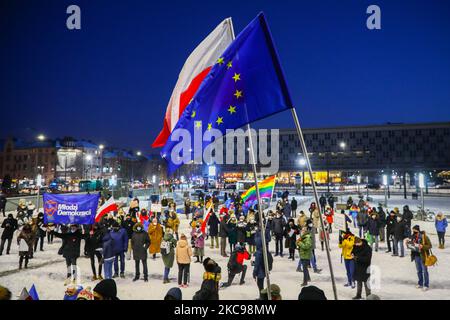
245, 85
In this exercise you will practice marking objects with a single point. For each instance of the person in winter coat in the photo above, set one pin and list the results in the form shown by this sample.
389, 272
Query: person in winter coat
301, 220
108, 254
420, 246
236, 265
294, 206
174, 294
382, 220
209, 289
213, 224
128, 225
40, 232
407, 216
329, 216
362, 219
155, 231
3, 202
347, 240
183, 254
349, 202
22, 217
71, 250
304, 246
140, 242
252, 226
241, 228
373, 227
173, 222
232, 232
25, 243
322, 202
287, 209
441, 227
278, 224
331, 201
134, 209
362, 255
94, 249
391, 221
198, 238
187, 207
353, 211
168, 246
315, 215
10, 226
105, 290
291, 231
324, 232
223, 232
400, 234
120, 240
259, 271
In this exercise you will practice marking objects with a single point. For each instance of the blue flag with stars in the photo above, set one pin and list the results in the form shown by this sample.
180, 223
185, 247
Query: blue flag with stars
246, 84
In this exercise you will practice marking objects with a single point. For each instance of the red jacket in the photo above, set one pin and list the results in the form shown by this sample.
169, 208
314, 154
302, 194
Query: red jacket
241, 256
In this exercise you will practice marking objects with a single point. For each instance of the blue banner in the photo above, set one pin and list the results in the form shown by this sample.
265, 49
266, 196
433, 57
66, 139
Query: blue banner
70, 208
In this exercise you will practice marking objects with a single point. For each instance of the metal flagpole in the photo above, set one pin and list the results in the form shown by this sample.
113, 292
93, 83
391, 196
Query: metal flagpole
316, 195
261, 217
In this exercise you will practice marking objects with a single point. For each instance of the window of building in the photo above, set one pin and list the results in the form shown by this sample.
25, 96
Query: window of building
352, 135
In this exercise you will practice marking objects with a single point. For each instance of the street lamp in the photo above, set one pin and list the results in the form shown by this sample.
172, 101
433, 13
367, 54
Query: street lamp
88, 159
138, 153
422, 186
302, 163
101, 147
41, 137
385, 183
342, 144
358, 181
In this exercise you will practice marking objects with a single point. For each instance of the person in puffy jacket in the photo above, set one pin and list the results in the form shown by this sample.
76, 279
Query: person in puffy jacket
400, 234
441, 227
94, 249
304, 246
213, 224
294, 206
108, 255
236, 265
259, 271
362, 255
10, 226
362, 218
209, 289
128, 225
183, 254
373, 227
140, 242
347, 240
120, 246
278, 225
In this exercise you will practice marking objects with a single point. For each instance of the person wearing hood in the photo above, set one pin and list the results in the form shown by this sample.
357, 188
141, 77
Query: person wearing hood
407, 216
25, 243
94, 249
382, 219
278, 225
301, 220
236, 265
259, 271
315, 215
71, 250
209, 289
198, 241
10, 226
420, 246
400, 234
304, 246
346, 243
120, 241
155, 232
291, 231
168, 246
140, 242
105, 290
183, 254
294, 206
329, 217
40, 232
287, 209
232, 232
252, 226
174, 294
323, 202
173, 222
373, 226
362, 255
441, 227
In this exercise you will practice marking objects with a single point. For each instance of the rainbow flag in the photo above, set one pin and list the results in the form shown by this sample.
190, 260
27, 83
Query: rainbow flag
265, 190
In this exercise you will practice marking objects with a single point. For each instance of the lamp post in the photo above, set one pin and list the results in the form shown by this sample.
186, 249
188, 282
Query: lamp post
358, 181
101, 147
422, 186
385, 183
302, 163
88, 159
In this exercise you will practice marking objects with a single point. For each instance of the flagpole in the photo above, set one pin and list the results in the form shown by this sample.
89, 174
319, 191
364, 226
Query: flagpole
316, 195
261, 217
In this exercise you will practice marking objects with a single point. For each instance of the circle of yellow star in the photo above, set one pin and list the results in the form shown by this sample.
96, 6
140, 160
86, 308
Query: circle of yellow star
219, 120
198, 124
237, 77
229, 65
209, 126
238, 94
232, 109
220, 61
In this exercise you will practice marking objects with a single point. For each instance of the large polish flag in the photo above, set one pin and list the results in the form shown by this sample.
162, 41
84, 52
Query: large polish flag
107, 207
195, 69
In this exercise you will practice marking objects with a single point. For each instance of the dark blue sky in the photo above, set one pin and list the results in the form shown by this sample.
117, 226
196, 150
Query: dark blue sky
111, 80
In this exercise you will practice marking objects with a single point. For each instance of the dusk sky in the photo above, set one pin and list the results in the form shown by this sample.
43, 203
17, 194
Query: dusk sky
111, 81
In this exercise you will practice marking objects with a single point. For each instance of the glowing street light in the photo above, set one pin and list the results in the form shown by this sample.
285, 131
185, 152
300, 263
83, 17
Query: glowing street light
302, 162
138, 153
41, 137
342, 145
101, 147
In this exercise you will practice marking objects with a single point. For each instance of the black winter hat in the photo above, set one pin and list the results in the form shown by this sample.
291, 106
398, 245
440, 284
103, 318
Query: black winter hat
416, 227
311, 293
107, 288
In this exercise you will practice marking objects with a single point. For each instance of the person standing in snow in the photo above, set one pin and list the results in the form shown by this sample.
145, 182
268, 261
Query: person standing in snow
391, 221
441, 227
407, 216
241, 228
294, 206
223, 232
382, 219
128, 225
362, 255
168, 246
322, 202
420, 246
198, 238
40, 232
140, 242
290, 232
3, 202
25, 243
213, 224
173, 222
304, 246
120, 241
183, 254
347, 240
278, 224
236, 265
373, 227
10, 226
94, 249
362, 218
155, 232
400, 234
259, 271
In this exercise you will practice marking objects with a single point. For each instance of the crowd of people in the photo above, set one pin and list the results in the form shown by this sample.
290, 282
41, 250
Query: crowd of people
234, 231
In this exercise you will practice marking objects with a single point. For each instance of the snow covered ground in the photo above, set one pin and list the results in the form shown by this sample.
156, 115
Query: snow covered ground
394, 277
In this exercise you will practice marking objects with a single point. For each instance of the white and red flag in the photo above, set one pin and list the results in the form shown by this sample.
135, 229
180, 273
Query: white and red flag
109, 206
194, 71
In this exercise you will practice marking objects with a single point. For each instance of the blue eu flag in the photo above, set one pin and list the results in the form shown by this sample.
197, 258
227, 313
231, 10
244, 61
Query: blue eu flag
245, 85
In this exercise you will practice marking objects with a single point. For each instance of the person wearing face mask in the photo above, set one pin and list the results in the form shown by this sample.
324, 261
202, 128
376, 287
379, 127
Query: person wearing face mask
362, 255
420, 246
232, 233
71, 250
373, 226
120, 241
94, 249
441, 227
304, 246
391, 221
223, 231
278, 225
140, 242
128, 225
155, 232
290, 232
400, 233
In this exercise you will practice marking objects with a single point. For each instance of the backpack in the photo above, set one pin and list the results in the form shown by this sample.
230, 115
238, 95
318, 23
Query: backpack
165, 248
